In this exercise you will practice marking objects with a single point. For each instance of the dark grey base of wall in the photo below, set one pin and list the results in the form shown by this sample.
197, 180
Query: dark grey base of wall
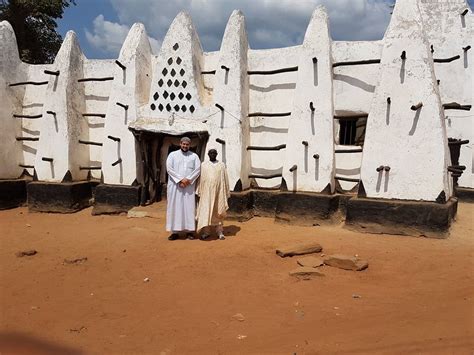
465, 194
305, 208
12, 193
428, 219
287, 207
65, 197
113, 199
241, 206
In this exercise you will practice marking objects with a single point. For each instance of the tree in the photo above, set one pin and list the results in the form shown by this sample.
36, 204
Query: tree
35, 27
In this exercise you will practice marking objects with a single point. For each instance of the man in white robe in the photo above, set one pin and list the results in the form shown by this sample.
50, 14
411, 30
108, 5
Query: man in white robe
213, 191
183, 167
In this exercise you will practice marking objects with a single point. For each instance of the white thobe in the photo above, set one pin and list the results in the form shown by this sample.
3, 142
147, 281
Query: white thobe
213, 191
181, 204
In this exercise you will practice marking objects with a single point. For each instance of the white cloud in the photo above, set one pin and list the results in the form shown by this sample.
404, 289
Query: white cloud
270, 23
155, 44
108, 37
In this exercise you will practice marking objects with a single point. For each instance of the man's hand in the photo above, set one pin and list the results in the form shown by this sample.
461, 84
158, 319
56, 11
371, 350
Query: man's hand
184, 183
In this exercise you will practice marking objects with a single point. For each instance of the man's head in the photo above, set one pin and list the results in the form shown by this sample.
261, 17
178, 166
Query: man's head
212, 153
184, 143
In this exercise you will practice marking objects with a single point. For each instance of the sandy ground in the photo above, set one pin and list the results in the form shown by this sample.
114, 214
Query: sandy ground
416, 296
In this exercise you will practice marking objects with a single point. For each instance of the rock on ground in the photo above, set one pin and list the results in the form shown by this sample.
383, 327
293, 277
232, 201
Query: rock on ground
305, 273
310, 261
137, 214
21, 254
239, 316
75, 261
346, 262
299, 249
142, 212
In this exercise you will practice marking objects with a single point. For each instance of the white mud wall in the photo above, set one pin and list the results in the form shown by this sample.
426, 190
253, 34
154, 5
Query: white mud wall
410, 143
310, 145
96, 95
130, 90
450, 33
176, 92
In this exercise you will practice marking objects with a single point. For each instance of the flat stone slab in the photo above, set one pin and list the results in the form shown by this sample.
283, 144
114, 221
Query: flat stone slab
346, 262
137, 214
310, 261
299, 249
305, 272
142, 212
239, 317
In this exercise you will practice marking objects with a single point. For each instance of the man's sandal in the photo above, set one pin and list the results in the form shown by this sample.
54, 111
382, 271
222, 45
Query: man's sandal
173, 236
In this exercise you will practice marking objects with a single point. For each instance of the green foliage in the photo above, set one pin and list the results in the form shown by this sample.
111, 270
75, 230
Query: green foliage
35, 27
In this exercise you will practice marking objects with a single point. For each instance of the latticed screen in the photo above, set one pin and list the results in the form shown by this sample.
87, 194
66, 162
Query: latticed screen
172, 95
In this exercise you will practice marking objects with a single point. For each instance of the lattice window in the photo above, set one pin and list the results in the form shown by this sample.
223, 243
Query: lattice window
168, 97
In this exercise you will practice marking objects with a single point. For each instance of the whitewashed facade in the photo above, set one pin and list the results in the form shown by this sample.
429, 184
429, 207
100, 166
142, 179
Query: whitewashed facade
277, 115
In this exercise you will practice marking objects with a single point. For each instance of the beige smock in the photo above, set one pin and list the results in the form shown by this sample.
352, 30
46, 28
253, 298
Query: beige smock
213, 191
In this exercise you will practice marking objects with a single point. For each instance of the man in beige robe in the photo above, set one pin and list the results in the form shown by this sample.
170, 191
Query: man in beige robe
213, 191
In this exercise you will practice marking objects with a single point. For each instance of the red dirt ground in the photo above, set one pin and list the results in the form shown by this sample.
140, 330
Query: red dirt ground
416, 296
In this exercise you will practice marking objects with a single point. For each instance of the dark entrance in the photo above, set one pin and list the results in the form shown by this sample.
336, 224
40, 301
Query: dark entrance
153, 149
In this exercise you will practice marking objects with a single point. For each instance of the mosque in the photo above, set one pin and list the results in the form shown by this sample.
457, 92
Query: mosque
376, 133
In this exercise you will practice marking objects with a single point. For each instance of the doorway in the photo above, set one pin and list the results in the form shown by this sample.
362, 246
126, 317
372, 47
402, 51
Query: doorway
153, 149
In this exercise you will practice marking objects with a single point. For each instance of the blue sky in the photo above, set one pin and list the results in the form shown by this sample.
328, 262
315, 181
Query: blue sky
102, 25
